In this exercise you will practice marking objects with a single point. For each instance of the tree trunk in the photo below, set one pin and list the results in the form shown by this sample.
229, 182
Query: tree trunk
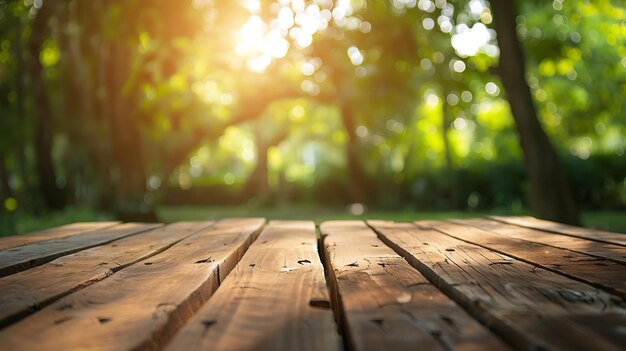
124, 132
7, 216
85, 84
103, 113
52, 195
357, 180
449, 176
257, 183
20, 114
550, 193
445, 122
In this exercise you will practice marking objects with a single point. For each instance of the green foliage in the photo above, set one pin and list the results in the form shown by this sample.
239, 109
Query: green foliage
152, 100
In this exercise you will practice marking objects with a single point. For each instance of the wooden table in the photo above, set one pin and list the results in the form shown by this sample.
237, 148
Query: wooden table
241, 284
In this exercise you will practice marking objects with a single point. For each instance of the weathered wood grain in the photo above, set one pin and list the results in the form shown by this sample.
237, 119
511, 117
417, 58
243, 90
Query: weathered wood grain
599, 272
530, 307
24, 292
612, 252
385, 304
21, 258
564, 229
142, 305
275, 299
53, 233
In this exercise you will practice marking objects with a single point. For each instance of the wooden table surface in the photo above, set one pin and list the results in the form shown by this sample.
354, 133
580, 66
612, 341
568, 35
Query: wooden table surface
497, 283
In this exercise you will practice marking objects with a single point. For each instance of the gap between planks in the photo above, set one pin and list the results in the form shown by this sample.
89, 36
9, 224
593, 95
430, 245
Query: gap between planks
142, 306
28, 291
599, 272
164, 333
528, 306
275, 299
564, 229
385, 304
53, 233
21, 258
600, 249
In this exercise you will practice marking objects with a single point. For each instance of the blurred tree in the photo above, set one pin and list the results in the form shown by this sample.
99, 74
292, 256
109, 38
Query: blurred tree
550, 192
391, 103
52, 195
7, 199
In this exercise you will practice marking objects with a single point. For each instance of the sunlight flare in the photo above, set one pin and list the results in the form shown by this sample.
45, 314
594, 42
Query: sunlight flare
295, 23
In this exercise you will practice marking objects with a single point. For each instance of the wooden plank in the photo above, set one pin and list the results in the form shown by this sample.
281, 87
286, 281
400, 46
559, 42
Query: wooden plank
385, 304
612, 252
53, 233
21, 258
275, 299
30, 290
142, 305
564, 229
530, 307
598, 272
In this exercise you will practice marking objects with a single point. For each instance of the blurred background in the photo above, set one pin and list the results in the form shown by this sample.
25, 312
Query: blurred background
160, 110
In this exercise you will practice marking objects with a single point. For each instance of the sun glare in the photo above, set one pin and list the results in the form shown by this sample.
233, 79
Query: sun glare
294, 23
469, 41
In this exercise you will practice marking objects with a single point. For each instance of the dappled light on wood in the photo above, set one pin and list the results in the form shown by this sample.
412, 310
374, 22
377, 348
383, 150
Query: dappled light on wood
248, 284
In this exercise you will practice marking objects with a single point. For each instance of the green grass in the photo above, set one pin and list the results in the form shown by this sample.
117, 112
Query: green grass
317, 214
606, 220
613, 221
25, 223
